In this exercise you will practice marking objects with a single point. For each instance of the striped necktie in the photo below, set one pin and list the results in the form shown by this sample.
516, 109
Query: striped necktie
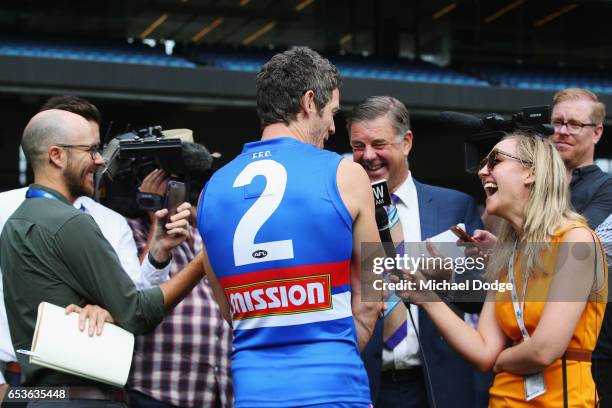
395, 327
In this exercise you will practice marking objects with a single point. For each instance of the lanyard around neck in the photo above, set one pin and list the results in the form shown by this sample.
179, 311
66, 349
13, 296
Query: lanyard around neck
35, 193
519, 308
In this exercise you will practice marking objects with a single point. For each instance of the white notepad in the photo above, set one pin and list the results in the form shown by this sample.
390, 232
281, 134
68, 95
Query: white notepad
60, 345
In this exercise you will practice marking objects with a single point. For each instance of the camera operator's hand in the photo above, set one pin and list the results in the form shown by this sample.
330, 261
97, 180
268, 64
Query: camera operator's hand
155, 182
168, 235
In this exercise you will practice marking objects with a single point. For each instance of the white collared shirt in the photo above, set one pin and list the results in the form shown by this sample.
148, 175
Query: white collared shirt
9, 201
406, 354
116, 231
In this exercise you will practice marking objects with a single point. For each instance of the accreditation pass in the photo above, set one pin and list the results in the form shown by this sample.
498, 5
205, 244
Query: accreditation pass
534, 386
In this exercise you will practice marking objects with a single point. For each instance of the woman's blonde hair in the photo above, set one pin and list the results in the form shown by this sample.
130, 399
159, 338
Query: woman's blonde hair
548, 206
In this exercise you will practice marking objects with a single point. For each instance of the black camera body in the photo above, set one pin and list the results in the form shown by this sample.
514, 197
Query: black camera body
532, 120
129, 158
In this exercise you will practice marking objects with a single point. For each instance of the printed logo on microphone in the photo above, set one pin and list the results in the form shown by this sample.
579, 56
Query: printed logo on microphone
280, 296
381, 193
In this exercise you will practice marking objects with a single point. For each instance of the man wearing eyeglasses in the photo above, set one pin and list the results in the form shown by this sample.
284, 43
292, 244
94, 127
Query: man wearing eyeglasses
50, 251
577, 117
113, 226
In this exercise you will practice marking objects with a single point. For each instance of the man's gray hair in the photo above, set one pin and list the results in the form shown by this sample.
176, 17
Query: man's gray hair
284, 79
374, 107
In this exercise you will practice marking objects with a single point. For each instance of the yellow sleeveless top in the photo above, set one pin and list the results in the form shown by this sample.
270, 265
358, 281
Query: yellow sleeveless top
508, 390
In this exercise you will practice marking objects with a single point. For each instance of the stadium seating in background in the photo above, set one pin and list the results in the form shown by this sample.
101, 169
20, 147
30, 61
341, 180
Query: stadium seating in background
251, 60
350, 66
102, 51
545, 78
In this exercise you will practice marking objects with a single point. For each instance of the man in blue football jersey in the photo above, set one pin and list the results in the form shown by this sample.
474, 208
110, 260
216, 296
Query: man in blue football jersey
282, 226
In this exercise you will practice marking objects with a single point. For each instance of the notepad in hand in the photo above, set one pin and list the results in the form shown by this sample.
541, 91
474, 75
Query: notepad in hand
60, 345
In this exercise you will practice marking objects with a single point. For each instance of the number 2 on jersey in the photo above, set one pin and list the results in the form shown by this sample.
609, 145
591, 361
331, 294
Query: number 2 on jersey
246, 251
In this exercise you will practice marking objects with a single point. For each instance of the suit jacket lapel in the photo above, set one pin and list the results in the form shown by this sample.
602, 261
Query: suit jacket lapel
427, 214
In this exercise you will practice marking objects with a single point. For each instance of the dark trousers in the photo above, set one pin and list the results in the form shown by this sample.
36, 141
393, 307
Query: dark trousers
402, 389
602, 375
140, 400
77, 404
13, 380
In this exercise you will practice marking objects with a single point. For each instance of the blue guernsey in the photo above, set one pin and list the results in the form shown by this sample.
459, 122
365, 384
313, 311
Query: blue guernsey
279, 239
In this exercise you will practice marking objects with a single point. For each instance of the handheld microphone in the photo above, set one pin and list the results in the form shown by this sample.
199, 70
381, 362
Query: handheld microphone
383, 198
381, 194
382, 221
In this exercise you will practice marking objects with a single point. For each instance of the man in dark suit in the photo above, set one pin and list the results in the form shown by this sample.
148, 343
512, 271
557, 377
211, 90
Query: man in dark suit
381, 140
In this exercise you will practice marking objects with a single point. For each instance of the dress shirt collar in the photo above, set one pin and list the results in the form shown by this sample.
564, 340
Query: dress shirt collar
83, 203
583, 176
584, 171
406, 191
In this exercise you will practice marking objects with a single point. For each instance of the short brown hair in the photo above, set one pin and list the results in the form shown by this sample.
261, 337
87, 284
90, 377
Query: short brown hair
282, 81
74, 104
599, 109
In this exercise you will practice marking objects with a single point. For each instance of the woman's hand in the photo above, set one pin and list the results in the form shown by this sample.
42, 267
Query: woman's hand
483, 242
412, 287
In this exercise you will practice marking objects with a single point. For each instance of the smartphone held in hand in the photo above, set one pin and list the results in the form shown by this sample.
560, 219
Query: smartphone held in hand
176, 194
461, 234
